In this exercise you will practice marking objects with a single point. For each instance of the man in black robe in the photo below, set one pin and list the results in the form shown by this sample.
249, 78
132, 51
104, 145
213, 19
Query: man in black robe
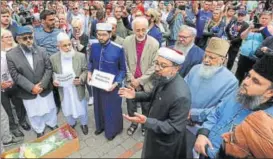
169, 107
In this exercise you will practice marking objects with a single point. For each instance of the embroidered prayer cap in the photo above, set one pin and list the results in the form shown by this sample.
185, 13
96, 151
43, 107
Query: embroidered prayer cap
104, 27
264, 67
218, 46
21, 30
172, 55
111, 20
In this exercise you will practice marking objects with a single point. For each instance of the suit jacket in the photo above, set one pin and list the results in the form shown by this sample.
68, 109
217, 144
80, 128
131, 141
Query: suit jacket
148, 56
79, 67
26, 77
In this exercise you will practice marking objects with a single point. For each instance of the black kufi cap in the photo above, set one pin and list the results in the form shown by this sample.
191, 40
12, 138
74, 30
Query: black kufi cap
264, 67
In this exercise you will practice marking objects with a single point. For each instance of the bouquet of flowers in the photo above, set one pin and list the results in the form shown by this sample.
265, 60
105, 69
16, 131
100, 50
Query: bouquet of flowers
39, 149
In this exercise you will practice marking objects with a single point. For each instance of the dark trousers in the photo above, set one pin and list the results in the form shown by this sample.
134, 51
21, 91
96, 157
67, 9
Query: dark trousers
7, 99
132, 108
57, 98
244, 66
232, 53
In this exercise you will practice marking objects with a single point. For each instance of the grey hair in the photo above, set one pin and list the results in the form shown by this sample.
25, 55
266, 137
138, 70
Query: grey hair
140, 20
191, 29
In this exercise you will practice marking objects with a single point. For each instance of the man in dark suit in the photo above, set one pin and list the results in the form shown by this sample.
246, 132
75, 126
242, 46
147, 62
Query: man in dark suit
31, 70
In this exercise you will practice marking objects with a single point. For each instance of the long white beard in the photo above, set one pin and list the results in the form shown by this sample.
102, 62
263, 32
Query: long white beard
208, 71
68, 54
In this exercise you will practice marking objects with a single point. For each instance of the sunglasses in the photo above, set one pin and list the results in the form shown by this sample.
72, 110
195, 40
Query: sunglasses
30, 37
75, 8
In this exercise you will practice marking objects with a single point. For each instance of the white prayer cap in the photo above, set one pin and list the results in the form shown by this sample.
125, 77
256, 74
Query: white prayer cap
112, 20
172, 55
62, 36
104, 26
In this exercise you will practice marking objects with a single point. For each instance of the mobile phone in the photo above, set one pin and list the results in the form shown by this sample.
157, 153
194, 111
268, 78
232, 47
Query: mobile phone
182, 7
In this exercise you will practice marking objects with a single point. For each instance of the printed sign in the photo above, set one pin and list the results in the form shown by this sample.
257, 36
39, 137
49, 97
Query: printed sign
64, 79
102, 80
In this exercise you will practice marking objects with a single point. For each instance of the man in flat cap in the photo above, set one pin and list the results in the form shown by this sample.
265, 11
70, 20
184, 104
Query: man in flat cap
255, 93
170, 101
108, 57
30, 68
209, 83
254, 138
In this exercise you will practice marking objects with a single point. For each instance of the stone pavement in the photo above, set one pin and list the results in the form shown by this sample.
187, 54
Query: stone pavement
91, 146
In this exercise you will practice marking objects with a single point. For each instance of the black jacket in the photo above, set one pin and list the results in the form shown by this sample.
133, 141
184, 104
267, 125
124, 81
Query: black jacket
236, 41
166, 122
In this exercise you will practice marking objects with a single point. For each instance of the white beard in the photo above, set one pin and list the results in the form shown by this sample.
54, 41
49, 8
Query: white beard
141, 39
208, 71
184, 49
68, 54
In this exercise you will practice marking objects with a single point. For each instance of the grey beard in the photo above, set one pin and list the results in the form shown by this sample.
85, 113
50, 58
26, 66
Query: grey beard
180, 47
68, 54
208, 71
251, 102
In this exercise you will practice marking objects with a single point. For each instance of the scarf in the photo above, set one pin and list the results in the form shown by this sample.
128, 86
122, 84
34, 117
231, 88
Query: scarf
252, 138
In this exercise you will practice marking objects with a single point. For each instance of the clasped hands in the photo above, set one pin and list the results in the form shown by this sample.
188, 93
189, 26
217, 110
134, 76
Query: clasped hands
37, 89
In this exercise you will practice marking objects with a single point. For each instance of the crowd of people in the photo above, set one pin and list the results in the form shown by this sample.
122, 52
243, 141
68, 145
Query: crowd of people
173, 59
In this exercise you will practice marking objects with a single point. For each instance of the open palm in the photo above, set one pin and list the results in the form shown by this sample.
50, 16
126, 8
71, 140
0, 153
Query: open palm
128, 93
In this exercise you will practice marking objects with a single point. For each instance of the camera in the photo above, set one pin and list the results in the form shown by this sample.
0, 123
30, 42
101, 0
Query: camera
182, 7
235, 5
25, 17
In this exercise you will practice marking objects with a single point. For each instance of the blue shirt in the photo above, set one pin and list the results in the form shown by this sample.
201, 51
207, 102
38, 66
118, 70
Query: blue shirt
228, 114
208, 93
47, 40
202, 17
109, 58
155, 33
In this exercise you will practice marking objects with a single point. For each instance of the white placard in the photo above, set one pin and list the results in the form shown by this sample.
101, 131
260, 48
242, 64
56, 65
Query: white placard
102, 80
64, 79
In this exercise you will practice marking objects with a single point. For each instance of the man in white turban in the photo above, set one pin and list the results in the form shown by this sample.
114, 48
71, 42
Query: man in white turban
169, 106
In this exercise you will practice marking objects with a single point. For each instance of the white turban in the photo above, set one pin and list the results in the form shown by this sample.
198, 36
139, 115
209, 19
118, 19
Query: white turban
104, 26
171, 55
112, 20
62, 36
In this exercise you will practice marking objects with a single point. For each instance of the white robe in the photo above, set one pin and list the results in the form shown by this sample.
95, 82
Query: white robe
71, 105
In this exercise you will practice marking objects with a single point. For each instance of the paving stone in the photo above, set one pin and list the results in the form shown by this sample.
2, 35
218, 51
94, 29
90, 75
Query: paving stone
75, 155
129, 143
84, 151
114, 153
91, 154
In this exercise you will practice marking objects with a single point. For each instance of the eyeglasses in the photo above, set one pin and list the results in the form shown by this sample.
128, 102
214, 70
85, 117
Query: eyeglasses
161, 66
67, 45
147, 15
75, 8
25, 38
7, 37
183, 37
